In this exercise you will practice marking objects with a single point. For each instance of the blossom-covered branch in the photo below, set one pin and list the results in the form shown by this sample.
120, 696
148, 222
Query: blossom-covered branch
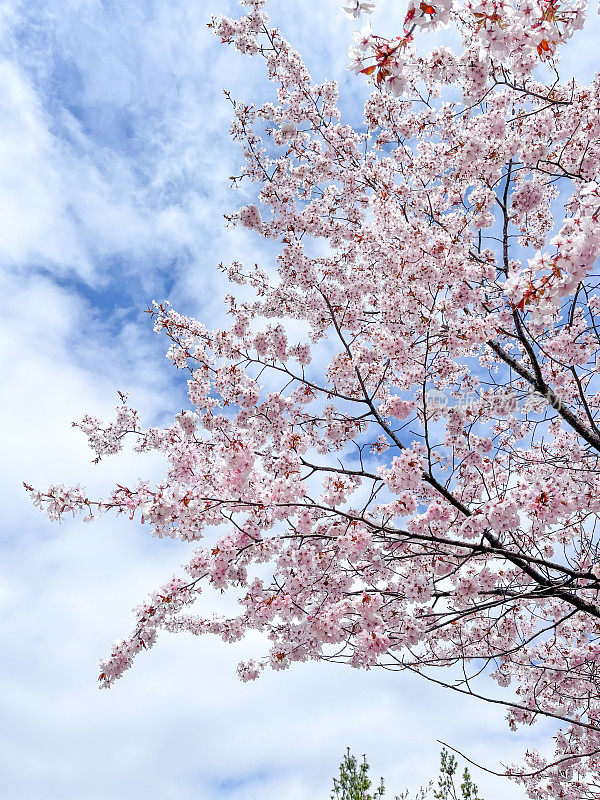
403, 426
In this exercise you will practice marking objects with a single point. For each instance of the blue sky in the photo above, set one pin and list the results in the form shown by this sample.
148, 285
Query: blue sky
114, 165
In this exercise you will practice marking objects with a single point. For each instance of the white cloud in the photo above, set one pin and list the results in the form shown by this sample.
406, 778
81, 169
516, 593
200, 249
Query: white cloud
114, 168
34, 223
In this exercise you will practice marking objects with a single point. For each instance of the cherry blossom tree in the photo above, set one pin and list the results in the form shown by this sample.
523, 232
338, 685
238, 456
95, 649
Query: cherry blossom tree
398, 434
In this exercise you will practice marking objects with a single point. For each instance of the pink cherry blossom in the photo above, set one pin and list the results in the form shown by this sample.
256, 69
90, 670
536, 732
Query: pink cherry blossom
399, 431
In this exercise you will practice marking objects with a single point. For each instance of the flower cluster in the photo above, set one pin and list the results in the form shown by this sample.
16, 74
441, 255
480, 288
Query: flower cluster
516, 34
